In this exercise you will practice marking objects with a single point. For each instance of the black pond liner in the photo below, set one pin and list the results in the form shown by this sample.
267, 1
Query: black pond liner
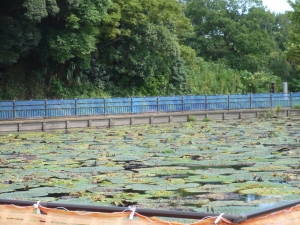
151, 212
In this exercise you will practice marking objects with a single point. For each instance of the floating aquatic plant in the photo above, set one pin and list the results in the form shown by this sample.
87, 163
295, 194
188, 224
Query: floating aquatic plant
185, 166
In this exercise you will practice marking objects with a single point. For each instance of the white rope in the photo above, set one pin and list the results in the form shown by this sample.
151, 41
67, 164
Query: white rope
62, 208
132, 208
219, 218
38, 211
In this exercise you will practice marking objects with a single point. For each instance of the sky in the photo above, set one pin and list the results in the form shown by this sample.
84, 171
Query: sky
277, 6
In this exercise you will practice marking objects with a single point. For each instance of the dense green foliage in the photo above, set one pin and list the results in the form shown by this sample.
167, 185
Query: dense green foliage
293, 46
231, 32
100, 48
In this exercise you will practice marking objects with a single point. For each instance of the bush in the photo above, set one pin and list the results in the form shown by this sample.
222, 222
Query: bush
192, 118
278, 108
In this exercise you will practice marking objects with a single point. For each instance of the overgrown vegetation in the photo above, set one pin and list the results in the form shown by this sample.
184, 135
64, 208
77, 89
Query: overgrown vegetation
192, 118
278, 108
265, 115
101, 48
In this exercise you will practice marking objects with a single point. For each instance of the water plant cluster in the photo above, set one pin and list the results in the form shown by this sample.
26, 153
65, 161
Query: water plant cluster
212, 166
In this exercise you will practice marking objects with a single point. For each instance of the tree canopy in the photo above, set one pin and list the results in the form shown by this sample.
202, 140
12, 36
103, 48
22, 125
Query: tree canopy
97, 48
231, 31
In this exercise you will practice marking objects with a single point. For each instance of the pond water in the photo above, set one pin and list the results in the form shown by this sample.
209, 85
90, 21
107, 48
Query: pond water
224, 166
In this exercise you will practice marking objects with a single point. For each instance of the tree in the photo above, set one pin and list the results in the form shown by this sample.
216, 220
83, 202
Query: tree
139, 50
73, 35
20, 36
18, 27
48, 39
69, 39
230, 31
280, 31
277, 26
293, 46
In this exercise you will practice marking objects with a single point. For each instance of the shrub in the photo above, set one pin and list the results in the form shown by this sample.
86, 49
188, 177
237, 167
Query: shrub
192, 118
278, 108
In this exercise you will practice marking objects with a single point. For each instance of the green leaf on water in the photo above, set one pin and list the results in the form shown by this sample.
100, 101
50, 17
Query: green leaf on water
158, 187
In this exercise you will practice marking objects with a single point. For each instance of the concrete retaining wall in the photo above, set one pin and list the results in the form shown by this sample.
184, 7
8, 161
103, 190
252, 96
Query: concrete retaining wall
135, 119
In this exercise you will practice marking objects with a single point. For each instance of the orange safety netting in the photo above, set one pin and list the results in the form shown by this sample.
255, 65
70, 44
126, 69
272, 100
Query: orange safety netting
14, 215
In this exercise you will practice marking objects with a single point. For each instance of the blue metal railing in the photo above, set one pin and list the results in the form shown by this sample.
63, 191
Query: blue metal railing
135, 105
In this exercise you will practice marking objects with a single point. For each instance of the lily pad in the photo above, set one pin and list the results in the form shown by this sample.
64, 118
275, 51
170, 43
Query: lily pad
157, 187
182, 166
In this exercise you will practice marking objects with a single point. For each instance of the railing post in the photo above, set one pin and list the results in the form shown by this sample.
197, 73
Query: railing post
64, 110
75, 106
271, 100
104, 106
14, 109
45, 108
228, 101
250, 96
131, 105
205, 102
182, 103
157, 105
291, 100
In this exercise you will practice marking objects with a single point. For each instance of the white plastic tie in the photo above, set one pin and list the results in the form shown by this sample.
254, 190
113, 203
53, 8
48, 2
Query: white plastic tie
38, 211
132, 208
219, 218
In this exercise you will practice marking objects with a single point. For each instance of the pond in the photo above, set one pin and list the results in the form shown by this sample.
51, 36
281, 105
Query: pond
232, 166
